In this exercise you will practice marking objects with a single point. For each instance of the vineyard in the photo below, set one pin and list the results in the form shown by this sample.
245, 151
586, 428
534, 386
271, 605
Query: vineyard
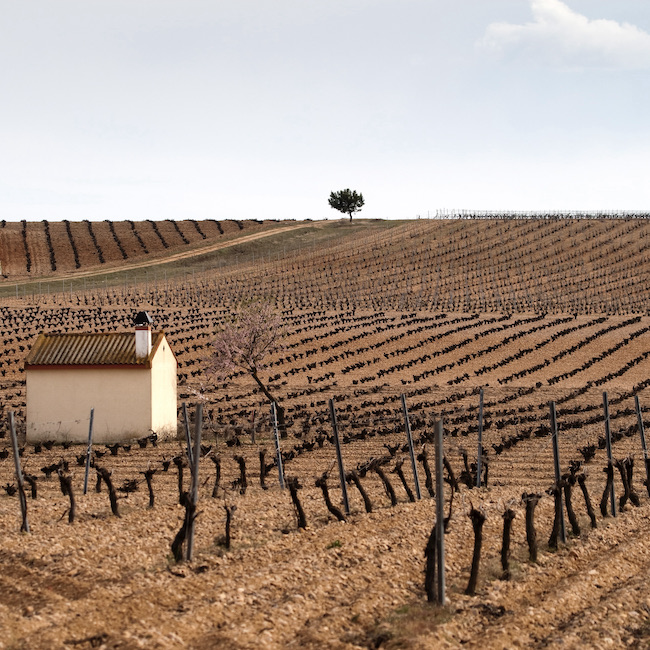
41, 249
530, 311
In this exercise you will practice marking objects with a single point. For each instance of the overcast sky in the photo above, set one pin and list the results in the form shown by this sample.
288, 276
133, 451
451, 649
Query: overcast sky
173, 109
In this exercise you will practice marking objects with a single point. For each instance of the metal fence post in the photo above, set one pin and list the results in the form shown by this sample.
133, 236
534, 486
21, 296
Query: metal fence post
440, 516
339, 458
19, 473
278, 452
89, 449
188, 438
194, 494
639, 416
409, 437
556, 464
479, 455
608, 440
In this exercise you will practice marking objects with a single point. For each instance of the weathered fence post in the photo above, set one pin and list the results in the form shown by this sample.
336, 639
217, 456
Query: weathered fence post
409, 437
19, 474
278, 452
556, 463
440, 516
89, 449
194, 496
639, 417
339, 458
608, 442
479, 456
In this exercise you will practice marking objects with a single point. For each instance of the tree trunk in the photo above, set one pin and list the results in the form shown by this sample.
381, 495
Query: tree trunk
629, 466
508, 516
294, 486
423, 457
354, 478
620, 466
585, 493
609, 470
387, 485
430, 570
263, 469
452, 478
282, 427
400, 472
556, 493
567, 484
217, 464
478, 519
148, 475
531, 501
322, 484
243, 483
229, 512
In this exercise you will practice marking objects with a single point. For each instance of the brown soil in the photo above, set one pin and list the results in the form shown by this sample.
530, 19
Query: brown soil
366, 321
110, 582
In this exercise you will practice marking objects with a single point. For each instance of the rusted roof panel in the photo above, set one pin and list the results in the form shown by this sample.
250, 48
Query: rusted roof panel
81, 349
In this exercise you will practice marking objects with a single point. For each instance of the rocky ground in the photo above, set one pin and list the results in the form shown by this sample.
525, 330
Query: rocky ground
111, 582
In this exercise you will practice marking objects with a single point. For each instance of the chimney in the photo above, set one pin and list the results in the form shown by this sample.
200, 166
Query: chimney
142, 324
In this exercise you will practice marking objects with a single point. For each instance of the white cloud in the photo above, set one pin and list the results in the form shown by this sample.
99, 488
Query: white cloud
561, 37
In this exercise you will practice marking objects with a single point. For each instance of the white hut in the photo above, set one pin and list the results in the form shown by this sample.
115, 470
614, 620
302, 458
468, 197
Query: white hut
128, 378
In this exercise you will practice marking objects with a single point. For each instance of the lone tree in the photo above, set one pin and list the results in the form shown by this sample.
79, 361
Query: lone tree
346, 201
245, 342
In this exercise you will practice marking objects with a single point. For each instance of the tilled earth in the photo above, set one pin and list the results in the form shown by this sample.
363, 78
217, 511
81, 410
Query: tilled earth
111, 582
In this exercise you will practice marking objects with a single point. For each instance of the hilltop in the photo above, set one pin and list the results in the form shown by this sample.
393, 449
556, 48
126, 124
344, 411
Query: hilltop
550, 265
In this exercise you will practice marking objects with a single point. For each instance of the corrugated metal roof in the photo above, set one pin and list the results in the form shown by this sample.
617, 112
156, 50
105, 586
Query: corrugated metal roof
81, 349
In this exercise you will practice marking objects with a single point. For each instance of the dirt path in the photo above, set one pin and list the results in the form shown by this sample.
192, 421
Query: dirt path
167, 259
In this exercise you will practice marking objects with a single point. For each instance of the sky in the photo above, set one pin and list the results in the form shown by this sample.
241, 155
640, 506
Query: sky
258, 109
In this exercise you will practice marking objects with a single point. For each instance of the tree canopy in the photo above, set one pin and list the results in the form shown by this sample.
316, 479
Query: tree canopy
347, 201
245, 342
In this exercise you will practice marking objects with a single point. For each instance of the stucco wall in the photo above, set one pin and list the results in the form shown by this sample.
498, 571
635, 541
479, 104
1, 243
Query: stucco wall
164, 392
59, 402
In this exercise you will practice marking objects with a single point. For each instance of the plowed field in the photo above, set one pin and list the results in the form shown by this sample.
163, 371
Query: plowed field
424, 310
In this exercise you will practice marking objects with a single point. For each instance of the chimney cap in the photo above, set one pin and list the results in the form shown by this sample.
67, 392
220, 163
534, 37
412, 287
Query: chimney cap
142, 319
